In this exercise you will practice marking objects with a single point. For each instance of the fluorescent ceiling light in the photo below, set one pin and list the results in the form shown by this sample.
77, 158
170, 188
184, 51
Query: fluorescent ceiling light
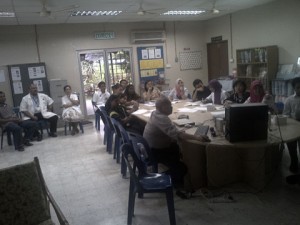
185, 13
96, 13
7, 14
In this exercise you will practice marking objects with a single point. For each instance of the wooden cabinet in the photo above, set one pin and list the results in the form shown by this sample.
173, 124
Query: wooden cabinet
259, 63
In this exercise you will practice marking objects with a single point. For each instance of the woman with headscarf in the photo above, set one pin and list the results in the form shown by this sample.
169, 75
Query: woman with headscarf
218, 95
179, 92
258, 94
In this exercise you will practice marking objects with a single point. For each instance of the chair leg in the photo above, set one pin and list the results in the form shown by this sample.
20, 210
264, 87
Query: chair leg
171, 209
2, 140
81, 127
131, 202
65, 128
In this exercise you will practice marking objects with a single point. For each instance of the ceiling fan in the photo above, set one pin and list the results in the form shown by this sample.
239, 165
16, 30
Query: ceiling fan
214, 9
141, 11
48, 12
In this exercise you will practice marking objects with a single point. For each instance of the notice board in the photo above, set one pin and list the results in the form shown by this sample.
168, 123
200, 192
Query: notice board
151, 64
22, 75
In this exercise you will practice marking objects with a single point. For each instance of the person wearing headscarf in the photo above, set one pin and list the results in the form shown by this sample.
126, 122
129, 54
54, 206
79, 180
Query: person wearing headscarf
259, 95
218, 95
179, 92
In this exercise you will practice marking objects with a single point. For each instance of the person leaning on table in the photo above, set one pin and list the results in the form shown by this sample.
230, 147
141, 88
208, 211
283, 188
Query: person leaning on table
162, 136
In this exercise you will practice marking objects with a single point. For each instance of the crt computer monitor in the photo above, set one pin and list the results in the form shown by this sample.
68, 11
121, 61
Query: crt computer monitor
246, 122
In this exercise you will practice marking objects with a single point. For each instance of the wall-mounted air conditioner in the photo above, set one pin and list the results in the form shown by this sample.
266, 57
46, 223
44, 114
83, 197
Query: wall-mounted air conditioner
148, 36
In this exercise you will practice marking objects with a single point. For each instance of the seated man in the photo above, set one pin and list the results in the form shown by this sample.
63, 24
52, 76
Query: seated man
162, 136
200, 92
36, 106
11, 123
101, 96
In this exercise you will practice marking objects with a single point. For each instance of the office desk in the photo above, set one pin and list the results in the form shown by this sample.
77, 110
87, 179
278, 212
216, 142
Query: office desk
221, 163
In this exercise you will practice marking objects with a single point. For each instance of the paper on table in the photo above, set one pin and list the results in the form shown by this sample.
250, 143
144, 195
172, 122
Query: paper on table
193, 103
149, 103
187, 110
147, 114
140, 111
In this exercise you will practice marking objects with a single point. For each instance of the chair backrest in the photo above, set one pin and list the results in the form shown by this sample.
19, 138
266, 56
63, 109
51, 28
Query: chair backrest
120, 131
25, 196
142, 150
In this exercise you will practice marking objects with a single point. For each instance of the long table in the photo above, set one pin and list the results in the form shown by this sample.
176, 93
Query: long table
220, 162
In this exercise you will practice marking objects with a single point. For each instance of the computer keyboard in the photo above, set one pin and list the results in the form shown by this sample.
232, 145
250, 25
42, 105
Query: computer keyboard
201, 130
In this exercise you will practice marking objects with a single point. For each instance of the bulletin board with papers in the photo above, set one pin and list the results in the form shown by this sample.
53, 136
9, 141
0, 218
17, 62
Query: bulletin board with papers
190, 60
22, 75
151, 64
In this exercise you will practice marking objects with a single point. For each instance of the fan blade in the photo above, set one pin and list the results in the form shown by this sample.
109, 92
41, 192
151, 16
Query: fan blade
69, 8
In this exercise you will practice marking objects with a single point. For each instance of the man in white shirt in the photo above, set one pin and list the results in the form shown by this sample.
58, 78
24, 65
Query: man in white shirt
100, 97
36, 106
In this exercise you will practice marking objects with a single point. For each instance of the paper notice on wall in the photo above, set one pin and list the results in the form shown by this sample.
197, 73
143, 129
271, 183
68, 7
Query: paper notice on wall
39, 85
18, 87
157, 53
151, 53
2, 76
36, 72
144, 54
15, 73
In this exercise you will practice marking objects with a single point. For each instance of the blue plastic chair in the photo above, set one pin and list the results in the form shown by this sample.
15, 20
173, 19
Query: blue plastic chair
108, 130
141, 145
279, 107
97, 117
146, 183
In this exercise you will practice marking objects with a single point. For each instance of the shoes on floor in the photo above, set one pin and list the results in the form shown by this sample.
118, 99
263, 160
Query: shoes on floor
52, 134
39, 138
76, 130
73, 132
27, 143
181, 194
20, 148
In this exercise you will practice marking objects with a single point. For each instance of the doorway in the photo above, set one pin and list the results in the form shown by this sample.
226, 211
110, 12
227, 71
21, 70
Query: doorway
217, 59
108, 65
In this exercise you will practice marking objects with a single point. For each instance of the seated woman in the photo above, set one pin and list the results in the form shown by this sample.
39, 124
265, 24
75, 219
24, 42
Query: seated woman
218, 95
151, 92
239, 95
120, 113
201, 92
179, 92
131, 94
258, 94
71, 112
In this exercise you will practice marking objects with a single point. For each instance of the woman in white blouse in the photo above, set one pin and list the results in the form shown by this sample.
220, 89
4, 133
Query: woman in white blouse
179, 92
71, 111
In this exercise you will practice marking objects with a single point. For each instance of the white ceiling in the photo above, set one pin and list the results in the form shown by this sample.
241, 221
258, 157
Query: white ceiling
27, 11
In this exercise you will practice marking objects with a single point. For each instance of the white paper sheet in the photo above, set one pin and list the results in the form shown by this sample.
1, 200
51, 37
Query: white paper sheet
140, 111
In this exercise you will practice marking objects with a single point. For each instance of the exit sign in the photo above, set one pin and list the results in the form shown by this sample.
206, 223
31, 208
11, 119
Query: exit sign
104, 35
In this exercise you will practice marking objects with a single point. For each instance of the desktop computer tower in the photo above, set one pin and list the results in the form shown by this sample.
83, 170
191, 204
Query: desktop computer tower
246, 122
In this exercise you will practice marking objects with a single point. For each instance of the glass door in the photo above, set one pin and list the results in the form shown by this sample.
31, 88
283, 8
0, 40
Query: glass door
108, 65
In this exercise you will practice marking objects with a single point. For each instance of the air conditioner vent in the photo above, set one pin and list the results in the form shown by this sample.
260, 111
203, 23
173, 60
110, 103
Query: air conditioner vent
140, 37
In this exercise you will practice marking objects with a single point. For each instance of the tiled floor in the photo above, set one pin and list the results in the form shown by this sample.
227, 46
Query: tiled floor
87, 184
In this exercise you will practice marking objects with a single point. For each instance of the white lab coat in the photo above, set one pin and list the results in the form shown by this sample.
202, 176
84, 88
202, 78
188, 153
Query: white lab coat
44, 100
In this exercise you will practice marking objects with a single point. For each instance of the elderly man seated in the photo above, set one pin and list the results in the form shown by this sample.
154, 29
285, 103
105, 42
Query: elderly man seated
162, 136
36, 106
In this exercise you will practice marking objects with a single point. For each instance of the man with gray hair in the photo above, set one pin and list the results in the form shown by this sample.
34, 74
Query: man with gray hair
162, 136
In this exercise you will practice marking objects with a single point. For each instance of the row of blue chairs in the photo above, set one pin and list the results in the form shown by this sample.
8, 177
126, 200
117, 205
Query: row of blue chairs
141, 181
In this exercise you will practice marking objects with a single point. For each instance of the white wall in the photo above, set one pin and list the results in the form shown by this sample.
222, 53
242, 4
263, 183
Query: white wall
276, 23
271, 24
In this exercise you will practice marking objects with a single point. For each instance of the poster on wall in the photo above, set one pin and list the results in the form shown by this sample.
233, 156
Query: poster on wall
39, 85
15, 73
18, 87
36, 72
151, 64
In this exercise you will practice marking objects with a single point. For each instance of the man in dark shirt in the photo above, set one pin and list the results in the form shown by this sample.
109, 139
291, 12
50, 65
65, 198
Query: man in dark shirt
10, 122
200, 92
